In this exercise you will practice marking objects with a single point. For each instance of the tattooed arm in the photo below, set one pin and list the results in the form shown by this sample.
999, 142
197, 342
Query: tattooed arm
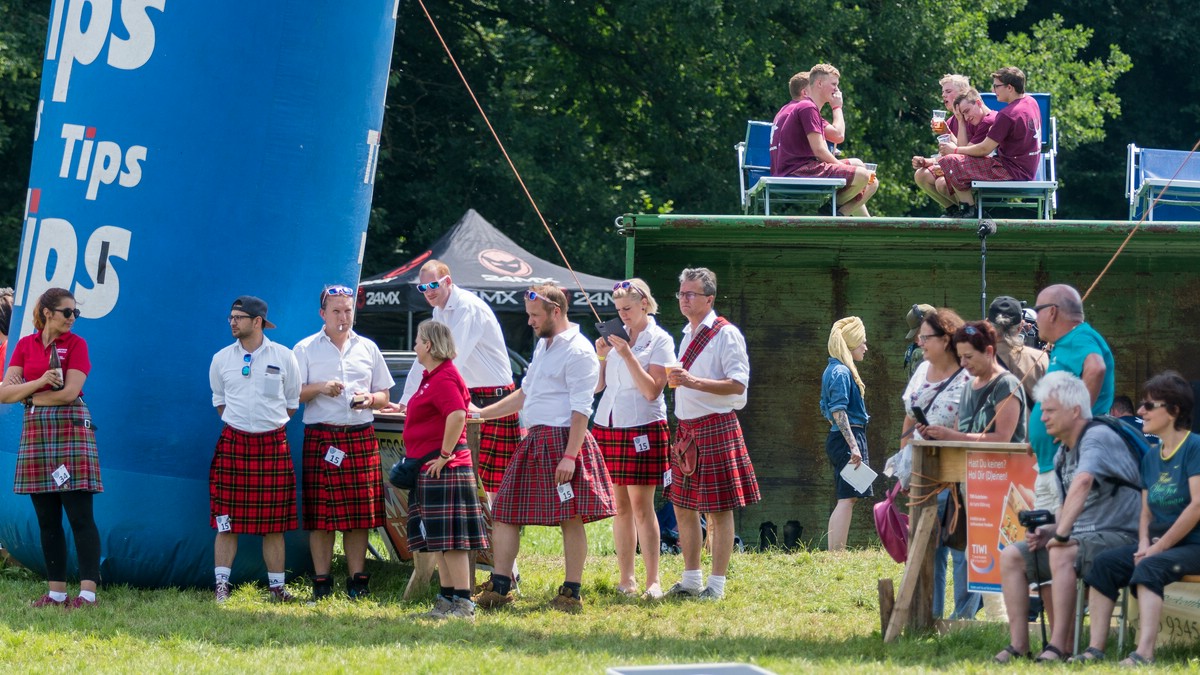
843, 422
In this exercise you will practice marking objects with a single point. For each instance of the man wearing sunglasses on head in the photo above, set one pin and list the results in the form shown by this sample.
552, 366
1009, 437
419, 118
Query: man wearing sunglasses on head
557, 475
344, 378
252, 482
482, 360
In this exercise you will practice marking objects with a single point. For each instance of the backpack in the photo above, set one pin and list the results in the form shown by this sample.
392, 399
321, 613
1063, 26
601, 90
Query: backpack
1135, 442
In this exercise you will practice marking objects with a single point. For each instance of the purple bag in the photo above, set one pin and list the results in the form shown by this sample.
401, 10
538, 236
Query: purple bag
892, 525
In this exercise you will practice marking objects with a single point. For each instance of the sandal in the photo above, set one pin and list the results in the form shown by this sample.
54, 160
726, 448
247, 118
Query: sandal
1058, 655
1010, 654
1135, 659
1089, 655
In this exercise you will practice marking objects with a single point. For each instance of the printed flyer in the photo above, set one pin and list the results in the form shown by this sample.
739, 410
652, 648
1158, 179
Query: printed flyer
999, 486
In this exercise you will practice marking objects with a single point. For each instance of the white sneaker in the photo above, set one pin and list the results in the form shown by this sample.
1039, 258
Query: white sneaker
461, 608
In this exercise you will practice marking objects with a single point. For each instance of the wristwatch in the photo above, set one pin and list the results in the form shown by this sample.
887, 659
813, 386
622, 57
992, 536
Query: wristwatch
1061, 539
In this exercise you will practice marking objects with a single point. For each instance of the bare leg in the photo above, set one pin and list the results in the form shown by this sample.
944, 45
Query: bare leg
1062, 568
355, 543
273, 552
688, 522
225, 549
624, 539
925, 180
641, 499
839, 524
320, 545
1015, 588
720, 529
574, 548
1101, 610
454, 569
1150, 607
506, 543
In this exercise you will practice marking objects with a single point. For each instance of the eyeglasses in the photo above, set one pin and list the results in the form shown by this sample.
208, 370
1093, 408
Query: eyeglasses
234, 318
627, 285
922, 338
533, 295
690, 295
1151, 405
246, 368
1039, 308
432, 286
67, 312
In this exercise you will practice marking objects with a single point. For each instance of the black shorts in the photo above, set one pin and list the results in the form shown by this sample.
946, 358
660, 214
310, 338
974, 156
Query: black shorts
839, 456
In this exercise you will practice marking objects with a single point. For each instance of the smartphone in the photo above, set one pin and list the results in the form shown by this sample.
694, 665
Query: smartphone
613, 327
919, 416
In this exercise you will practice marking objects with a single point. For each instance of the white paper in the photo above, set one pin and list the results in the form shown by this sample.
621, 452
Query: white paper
335, 456
859, 478
667, 478
223, 524
60, 475
565, 492
641, 443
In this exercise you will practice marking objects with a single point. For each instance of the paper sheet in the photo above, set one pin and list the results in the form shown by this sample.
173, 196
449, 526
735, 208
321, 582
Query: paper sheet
859, 478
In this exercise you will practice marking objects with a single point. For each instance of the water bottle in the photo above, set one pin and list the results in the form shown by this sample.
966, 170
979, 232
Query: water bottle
56, 366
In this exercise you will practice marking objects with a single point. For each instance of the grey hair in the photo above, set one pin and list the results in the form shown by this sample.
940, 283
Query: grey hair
441, 341
706, 277
1068, 390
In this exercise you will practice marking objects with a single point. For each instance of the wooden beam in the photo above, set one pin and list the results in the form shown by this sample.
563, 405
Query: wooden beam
887, 601
920, 545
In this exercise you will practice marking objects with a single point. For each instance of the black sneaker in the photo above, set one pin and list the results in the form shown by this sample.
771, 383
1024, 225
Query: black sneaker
322, 587
965, 211
358, 586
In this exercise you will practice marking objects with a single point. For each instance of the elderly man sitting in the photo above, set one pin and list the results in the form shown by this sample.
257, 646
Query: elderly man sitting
1099, 476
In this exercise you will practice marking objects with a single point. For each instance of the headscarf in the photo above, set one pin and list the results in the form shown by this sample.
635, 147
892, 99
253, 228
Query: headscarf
845, 336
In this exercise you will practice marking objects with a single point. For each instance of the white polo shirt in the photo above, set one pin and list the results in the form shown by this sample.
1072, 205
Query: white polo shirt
723, 358
561, 379
360, 367
482, 355
259, 402
622, 404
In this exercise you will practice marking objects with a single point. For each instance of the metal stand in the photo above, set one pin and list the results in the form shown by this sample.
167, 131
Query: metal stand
986, 227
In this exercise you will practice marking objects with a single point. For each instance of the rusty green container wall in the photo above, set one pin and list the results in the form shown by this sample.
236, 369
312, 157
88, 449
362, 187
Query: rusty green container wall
784, 281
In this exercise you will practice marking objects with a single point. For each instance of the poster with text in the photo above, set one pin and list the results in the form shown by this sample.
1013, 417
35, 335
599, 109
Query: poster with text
999, 486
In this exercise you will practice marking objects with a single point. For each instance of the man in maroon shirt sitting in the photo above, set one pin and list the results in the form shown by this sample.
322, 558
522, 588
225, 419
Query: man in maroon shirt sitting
970, 124
799, 147
1015, 136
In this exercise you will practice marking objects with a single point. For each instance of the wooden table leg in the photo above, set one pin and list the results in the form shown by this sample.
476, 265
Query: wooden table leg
424, 566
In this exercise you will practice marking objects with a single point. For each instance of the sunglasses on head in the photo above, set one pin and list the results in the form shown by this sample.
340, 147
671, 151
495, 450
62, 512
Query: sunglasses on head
628, 285
433, 285
67, 312
246, 368
533, 295
340, 290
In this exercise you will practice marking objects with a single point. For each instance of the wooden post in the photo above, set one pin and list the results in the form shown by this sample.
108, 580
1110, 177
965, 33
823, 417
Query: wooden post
907, 603
887, 600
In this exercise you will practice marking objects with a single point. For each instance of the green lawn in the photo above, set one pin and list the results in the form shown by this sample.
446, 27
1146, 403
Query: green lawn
802, 612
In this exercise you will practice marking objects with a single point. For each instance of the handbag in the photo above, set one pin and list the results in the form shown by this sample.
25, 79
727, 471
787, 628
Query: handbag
404, 473
684, 453
954, 521
892, 525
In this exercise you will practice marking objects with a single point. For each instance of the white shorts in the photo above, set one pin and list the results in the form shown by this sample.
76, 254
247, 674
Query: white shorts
1046, 493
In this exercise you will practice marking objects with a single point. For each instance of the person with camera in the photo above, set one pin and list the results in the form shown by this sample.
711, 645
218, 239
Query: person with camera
1168, 543
344, 380
1100, 476
1007, 314
444, 515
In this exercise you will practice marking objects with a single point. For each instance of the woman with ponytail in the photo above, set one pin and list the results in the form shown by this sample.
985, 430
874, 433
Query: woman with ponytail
843, 403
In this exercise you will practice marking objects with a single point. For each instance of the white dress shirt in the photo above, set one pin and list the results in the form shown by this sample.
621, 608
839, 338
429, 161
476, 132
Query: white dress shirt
482, 355
561, 379
622, 404
259, 402
724, 358
360, 367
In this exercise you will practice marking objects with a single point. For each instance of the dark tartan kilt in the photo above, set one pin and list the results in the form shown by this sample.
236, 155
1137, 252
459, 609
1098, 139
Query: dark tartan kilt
625, 465
444, 513
346, 497
961, 170
252, 480
529, 494
498, 440
49, 439
725, 478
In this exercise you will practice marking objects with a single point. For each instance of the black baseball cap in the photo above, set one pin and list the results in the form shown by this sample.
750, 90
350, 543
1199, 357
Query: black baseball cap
254, 307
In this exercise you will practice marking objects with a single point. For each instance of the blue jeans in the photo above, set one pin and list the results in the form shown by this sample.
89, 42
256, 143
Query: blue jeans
966, 605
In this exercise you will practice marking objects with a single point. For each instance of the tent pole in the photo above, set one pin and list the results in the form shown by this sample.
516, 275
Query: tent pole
410, 335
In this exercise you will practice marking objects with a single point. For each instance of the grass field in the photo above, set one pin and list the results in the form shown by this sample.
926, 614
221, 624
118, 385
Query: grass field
788, 613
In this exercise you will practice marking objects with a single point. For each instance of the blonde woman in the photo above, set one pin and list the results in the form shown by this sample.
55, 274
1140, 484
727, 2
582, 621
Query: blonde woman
843, 403
631, 428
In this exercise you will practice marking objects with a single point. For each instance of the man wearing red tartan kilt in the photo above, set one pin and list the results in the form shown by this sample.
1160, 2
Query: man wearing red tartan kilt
711, 385
252, 483
344, 378
557, 475
482, 361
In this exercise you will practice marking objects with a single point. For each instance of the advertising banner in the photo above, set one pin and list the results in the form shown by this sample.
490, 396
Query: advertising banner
999, 486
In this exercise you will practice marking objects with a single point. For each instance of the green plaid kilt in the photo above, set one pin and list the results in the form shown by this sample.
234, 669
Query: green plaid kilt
53, 436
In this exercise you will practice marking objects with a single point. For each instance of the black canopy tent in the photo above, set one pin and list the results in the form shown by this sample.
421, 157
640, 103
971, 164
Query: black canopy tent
483, 260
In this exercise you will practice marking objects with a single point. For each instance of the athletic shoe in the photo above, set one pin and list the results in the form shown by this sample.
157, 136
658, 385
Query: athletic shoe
223, 591
490, 599
47, 601
710, 594
358, 586
441, 606
565, 601
461, 608
680, 591
78, 603
322, 587
280, 594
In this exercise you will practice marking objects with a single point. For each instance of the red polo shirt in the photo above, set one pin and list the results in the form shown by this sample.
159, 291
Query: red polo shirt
442, 391
34, 358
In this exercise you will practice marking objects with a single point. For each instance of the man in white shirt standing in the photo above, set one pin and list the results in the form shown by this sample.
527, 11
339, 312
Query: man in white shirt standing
716, 476
557, 475
344, 379
252, 482
482, 360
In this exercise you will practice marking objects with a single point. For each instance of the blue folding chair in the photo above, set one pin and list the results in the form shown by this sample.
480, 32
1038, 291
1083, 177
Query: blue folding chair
1162, 184
757, 185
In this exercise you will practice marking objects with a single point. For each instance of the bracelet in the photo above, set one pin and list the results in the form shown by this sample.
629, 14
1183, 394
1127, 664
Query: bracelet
602, 357
446, 456
1061, 539
570, 457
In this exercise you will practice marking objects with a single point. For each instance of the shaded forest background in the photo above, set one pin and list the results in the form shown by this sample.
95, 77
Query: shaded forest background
618, 106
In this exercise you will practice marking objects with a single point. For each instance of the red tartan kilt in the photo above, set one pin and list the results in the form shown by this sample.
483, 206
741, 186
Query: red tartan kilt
625, 465
445, 514
346, 497
498, 440
529, 494
725, 478
815, 168
960, 170
252, 480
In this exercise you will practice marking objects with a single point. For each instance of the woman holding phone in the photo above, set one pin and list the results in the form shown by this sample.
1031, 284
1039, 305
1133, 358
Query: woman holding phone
631, 428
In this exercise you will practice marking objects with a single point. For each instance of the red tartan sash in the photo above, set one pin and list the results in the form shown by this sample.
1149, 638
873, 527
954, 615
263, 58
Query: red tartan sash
701, 340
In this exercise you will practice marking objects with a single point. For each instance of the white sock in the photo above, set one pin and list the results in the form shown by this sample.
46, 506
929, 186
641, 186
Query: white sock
90, 596
57, 596
716, 584
275, 579
692, 579
222, 574
515, 573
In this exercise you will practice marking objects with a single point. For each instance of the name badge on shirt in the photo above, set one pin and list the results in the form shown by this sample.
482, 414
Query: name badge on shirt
641, 443
667, 478
223, 524
334, 456
61, 475
565, 492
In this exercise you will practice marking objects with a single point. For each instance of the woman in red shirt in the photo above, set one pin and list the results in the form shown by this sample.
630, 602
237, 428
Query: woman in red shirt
57, 462
444, 516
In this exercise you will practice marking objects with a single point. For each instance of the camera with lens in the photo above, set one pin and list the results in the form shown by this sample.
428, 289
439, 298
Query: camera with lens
1032, 520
